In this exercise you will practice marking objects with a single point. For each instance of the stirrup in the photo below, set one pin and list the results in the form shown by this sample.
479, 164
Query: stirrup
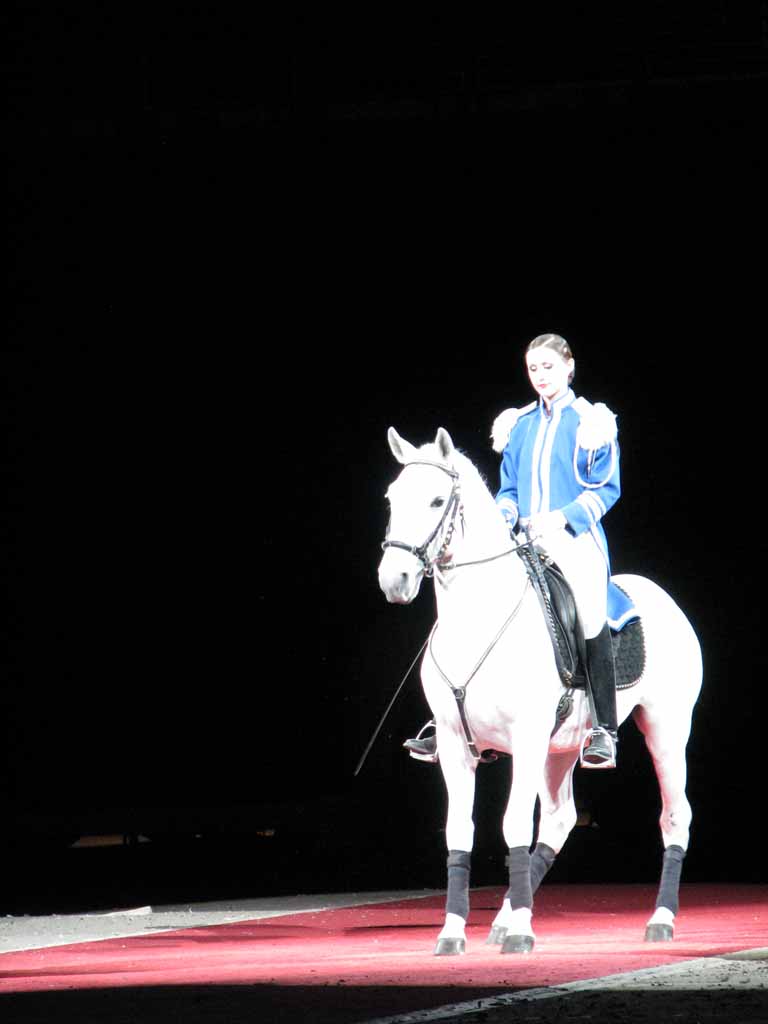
601, 749
423, 748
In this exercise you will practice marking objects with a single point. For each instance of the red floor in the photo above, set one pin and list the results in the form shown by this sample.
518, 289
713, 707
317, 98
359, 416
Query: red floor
377, 960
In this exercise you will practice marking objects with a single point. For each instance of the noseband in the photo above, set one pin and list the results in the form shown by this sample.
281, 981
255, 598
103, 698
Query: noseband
450, 511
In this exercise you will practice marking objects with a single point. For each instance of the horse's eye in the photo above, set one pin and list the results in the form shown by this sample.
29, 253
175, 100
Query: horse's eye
437, 503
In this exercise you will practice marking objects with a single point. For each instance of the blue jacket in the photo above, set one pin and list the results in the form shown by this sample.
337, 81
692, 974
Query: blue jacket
567, 459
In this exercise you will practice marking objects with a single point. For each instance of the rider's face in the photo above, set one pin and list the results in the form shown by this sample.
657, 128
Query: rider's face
548, 372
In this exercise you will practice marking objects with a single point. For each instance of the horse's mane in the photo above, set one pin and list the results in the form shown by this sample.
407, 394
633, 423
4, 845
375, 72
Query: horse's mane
462, 462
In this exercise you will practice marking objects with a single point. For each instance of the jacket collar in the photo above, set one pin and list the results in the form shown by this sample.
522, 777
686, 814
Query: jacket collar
559, 403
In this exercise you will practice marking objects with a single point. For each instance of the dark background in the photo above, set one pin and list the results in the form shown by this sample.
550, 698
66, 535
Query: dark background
239, 247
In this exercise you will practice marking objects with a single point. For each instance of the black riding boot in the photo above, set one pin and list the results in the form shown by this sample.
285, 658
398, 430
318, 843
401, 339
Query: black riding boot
601, 744
424, 748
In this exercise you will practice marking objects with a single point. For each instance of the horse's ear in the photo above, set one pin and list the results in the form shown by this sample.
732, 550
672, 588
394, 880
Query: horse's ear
403, 450
444, 443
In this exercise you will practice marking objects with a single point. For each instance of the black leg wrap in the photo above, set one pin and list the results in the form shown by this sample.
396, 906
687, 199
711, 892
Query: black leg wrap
542, 859
457, 899
520, 893
669, 887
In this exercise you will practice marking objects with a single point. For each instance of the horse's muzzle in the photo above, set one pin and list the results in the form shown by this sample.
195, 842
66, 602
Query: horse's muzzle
399, 584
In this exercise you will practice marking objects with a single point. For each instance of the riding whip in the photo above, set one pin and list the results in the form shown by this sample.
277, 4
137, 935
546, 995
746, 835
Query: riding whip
395, 695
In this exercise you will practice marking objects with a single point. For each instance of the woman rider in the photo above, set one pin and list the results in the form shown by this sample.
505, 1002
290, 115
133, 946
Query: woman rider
559, 476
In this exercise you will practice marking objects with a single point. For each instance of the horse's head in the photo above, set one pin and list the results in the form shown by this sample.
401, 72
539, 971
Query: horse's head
424, 501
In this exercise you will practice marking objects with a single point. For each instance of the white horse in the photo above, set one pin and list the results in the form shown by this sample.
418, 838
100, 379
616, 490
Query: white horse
490, 677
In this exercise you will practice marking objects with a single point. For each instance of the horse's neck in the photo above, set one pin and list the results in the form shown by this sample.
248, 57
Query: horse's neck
487, 572
484, 532
477, 602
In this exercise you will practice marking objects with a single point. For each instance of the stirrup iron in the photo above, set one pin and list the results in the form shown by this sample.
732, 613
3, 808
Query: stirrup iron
423, 747
607, 740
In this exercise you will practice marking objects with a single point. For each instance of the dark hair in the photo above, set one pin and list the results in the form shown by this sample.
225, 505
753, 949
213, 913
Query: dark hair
556, 343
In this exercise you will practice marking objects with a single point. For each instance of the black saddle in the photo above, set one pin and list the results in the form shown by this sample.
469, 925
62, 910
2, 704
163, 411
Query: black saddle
562, 617
569, 636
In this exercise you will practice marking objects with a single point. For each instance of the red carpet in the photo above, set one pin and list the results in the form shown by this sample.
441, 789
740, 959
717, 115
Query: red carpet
377, 960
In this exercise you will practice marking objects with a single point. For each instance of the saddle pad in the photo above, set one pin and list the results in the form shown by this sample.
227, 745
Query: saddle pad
629, 654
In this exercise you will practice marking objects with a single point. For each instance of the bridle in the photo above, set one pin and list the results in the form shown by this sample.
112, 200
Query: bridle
447, 522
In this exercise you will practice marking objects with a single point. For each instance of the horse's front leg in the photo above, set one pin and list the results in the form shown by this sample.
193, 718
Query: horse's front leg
459, 770
512, 927
558, 816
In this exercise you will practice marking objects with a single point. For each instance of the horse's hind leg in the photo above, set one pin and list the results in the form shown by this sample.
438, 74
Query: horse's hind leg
666, 742
557, 815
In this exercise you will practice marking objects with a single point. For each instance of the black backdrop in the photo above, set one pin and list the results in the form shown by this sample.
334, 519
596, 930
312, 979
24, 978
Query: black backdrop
238, 252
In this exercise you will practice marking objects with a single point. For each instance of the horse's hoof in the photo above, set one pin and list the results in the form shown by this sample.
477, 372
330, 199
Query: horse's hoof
659, 933
517, 944
496, 935
450, 947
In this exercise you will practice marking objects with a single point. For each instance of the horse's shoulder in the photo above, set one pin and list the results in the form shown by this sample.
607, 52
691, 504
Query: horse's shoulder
597, 424
505, 423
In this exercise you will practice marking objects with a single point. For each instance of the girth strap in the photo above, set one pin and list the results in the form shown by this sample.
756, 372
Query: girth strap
460, 692
460, 695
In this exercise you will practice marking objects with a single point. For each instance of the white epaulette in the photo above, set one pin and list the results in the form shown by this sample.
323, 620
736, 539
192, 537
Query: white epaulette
597, 425
503, 424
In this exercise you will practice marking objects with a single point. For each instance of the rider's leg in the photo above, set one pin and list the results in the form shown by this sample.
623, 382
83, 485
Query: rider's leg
582, 562
603, 739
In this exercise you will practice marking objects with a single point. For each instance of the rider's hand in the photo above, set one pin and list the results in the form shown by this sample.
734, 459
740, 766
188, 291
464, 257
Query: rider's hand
510, 517
543, 523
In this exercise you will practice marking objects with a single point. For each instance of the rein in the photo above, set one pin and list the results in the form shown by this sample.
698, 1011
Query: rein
490, 558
